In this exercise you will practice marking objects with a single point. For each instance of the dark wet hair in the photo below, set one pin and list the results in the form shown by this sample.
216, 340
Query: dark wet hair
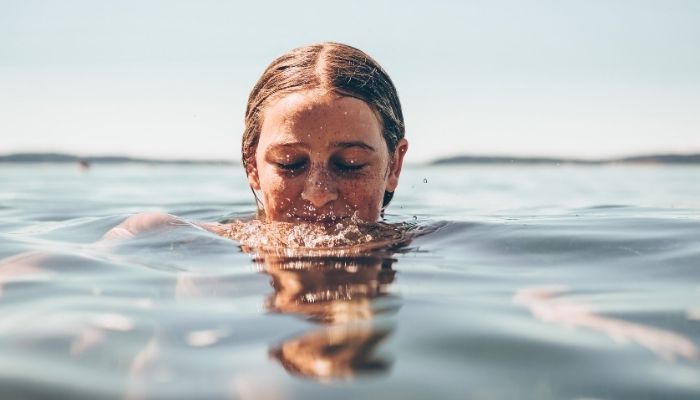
335, 67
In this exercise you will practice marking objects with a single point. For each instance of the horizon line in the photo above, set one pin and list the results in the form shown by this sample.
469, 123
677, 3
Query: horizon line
60, 157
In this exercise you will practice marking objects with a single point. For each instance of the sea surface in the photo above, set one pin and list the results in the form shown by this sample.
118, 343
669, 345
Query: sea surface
527, 282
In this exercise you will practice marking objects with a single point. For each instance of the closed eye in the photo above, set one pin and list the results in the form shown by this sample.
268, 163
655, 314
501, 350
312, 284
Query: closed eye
295, 166
348, 167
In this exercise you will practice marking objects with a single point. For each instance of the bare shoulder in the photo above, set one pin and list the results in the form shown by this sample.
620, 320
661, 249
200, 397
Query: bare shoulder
214, 227
142, 223
227, 229
156, 221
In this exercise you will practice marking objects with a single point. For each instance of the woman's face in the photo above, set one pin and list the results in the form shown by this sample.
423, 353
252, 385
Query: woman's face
322, 158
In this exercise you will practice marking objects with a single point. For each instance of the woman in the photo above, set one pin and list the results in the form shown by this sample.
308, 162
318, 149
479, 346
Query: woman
323, 141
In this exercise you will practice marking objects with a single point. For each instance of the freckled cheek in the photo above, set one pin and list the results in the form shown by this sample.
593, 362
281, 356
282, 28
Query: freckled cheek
281, 193
365, 196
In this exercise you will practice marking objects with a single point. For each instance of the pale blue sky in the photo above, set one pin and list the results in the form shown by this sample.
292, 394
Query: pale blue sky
170, 78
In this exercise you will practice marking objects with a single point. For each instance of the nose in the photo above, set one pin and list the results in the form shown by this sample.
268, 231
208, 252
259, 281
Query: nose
319, 188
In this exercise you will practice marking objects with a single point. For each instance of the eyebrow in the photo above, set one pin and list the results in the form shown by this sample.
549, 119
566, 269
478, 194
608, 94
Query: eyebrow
358, 143
289, 144
342, 145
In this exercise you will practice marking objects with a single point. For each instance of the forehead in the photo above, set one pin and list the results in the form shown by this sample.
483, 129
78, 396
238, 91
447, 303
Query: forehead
311, 117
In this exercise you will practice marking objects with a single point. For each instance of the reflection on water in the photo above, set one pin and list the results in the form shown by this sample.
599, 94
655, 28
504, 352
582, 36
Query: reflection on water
335, 352
544, 304
345, 296
329, 290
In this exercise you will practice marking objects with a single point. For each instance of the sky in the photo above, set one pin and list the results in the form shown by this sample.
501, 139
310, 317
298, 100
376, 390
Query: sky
170, 79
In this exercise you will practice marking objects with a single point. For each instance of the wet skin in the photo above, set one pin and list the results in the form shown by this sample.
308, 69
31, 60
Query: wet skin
322, 158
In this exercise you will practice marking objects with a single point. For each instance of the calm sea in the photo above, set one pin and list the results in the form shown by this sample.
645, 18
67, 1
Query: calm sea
537, 282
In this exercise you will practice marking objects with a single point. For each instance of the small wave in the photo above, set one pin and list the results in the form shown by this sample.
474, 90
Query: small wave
607, 206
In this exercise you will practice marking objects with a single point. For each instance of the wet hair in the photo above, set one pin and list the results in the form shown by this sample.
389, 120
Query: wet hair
334, 67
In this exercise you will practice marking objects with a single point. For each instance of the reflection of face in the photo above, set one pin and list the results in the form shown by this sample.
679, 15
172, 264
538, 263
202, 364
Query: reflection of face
343, 294
330, 292
322, 157
334, 352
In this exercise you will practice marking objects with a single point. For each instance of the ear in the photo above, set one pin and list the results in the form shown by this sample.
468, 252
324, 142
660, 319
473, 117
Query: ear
253, 178
395, 165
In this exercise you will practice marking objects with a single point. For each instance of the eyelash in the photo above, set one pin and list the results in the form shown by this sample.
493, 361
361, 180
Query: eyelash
293, 167
347, 168
341, 167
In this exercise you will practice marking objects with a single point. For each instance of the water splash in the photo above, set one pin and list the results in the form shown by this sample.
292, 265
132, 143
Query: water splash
347, 237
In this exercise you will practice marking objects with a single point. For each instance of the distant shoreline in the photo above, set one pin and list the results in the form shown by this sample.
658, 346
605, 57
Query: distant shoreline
640, 159
37, 158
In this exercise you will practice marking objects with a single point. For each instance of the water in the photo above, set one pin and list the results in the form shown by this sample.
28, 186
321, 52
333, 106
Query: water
551, 282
